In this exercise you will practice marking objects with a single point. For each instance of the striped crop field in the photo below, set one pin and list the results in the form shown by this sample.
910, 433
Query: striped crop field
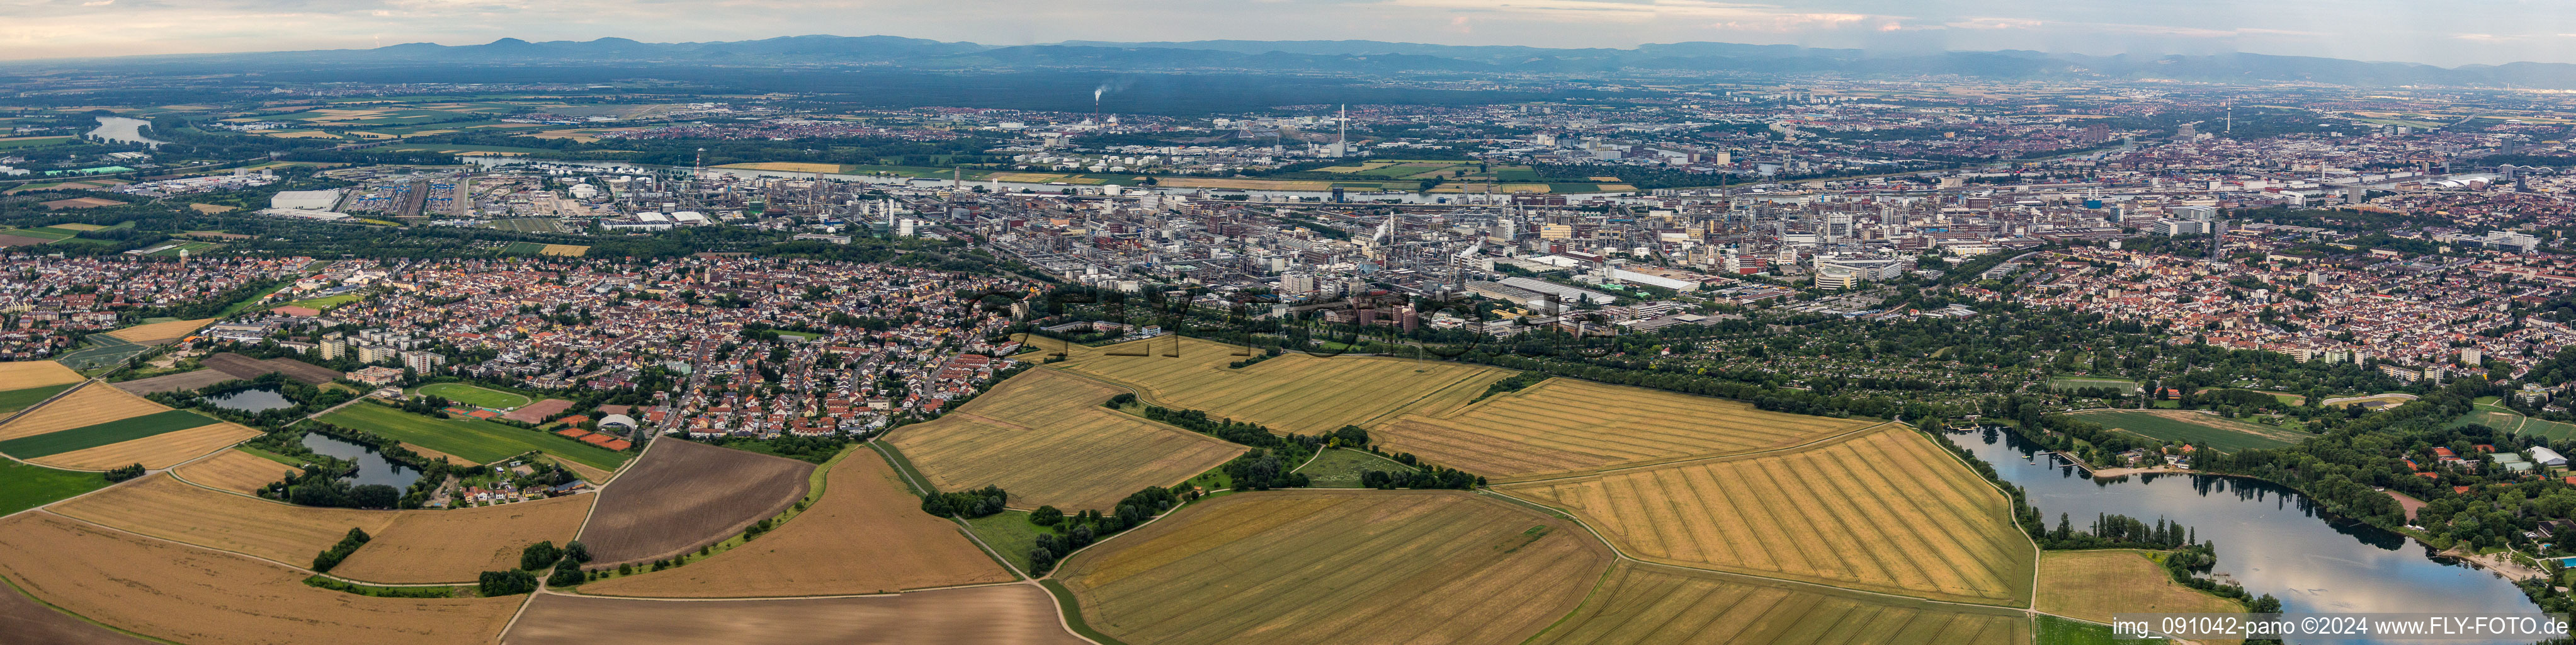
1292, 393
1043, 436
1644, 603
1337, 567
2094, 584
1882, 511
1565, 426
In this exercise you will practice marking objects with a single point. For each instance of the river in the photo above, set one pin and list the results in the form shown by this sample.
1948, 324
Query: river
2270, 539
124, 130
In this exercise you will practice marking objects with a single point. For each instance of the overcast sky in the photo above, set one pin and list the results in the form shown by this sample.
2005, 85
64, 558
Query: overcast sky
2441, 32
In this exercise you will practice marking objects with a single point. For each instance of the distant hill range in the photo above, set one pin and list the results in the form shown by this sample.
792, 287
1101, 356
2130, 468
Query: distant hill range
891, 52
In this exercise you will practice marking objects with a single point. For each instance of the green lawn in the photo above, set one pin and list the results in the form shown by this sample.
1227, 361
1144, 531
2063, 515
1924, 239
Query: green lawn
475, 440
37, 233
2053, 630
325, 303
59, 442
103, 351
25, 486
2486, 412
1010, 533
2212, 431
474, 396
2072, 382
15, 400
1341, 468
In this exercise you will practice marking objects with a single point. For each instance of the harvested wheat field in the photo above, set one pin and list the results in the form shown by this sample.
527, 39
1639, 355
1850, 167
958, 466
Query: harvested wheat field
1564, 425
21, 375
992, 615
456, 545
814, 555
166, 508
1291, 393
1644, 603
155, 452
682, 495
2094, 584
1338, 567
202, 597
26, 621
82, 408
162, 332
235, 471
1882, 511
1043, 436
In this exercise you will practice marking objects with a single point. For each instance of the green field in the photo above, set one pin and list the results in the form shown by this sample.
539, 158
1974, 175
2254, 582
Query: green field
522, 248
2062, 631
2209, 430
474, 396
1341, 468
15, 400
2072, 382
192, 248
527, 225
435, 147
55, 443
2486, 412
37, 233
325, 303
103, 351
25, 486
36, 142
1009, 533
475, 440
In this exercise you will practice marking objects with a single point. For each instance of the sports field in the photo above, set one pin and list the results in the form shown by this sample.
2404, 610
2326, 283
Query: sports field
20, 399
27, 374
1294, 393
92, 436
479, 441
474, 396
1335, 567
989, 615
1644, 603
2092, 585
456, 545
169, 509
1882, 511
326, 303
190, 595
2210, 430
814, 555
85, 407
23, 486
1565, 425
1043, 436
157, 451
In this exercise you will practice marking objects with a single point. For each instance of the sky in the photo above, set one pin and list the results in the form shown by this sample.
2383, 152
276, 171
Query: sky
2445, 32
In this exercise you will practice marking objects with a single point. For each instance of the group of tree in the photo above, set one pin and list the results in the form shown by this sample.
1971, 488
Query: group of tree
2119, 532
566, 561
331, 557
1430, 477
1080, 529
968, 503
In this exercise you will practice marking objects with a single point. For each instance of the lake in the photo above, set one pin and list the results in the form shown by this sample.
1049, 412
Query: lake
251, 400
2270, 539
372, 467
121, 129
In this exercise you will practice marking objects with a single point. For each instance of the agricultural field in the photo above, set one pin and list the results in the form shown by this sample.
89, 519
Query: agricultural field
2052, 630
185, 594
990, 615
101, 350
2092, 585
814, 555
188, 380
683, 495
1565, 425
20, 399
92, 436
529, 225
2486, 412
1645, 603
161, 331
235, 471
157, 451
474, 396
2078, 382
1883, 511
1043, 436
2209, 430
475, 440
245, 367
23, 618
1341, 468
24, 486
27, 374
522, 248
170, 509
456, 545
1282, 392
1414, 566
565, 250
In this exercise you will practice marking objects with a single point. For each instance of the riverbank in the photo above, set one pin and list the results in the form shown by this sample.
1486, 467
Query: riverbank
2500, 563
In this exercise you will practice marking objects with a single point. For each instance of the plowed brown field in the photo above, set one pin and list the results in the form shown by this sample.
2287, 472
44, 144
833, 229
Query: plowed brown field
682, 495
995, 615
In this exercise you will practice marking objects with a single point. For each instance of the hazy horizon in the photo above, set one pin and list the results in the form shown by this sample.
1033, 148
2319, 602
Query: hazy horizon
2369, 30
